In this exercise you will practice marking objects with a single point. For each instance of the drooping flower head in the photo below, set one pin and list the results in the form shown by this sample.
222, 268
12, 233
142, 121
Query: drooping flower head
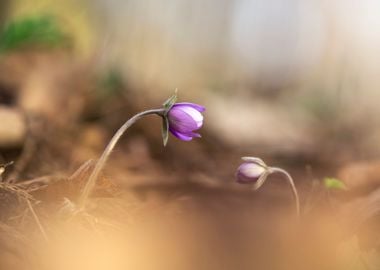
181, 119
249, 173
253, 171
185, 119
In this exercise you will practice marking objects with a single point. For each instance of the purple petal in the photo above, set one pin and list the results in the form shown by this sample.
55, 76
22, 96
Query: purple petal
193, 105
194, 114
195, 135
181, 121
249, 172
181, 136
185, 118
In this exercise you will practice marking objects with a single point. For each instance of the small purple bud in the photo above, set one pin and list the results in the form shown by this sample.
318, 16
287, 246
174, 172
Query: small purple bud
184, 119
250, 173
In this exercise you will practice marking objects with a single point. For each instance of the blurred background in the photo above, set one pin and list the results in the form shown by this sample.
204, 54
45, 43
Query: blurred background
293, 76
295, 82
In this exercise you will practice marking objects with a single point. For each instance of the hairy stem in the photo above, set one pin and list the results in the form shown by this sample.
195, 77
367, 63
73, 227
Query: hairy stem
293, 186
108, 150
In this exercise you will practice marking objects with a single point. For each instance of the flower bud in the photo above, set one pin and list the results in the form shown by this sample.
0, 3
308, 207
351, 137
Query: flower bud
184, 119
250, 173
255, 172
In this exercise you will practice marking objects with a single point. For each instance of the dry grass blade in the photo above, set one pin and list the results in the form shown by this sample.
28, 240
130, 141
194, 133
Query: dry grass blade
38, 222
25, 197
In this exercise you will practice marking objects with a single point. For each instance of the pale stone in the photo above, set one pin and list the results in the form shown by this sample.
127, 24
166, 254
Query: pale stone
12, 127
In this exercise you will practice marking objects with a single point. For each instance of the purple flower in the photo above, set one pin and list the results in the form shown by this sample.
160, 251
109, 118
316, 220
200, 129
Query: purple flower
250, 173
184, 119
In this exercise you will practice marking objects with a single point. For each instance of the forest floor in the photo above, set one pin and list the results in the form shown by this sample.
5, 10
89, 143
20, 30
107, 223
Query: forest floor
155, 207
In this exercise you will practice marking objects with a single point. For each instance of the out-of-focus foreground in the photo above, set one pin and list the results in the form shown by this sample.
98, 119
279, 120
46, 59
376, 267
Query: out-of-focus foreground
294, 82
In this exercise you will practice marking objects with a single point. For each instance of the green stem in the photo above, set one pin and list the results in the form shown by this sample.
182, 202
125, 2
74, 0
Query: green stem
293, 186
108, 150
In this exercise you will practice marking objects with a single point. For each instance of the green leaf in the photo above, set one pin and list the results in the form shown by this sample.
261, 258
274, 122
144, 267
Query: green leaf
40, 30
333, 183
165, 130
170, 101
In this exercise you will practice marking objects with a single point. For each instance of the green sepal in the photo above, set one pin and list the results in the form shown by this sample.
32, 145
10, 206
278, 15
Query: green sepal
255, 160
168, 104
165, 130
170, 101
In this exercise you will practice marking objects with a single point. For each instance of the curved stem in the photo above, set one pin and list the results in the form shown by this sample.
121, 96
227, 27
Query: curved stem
293, 186
104, 157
